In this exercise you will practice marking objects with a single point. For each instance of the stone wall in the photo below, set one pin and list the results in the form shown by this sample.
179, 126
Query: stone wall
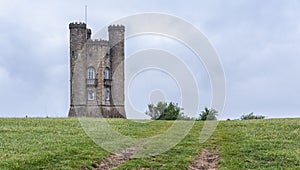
86, 53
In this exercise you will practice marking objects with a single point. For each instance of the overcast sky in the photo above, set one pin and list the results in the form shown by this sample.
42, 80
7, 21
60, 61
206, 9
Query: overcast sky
258, 43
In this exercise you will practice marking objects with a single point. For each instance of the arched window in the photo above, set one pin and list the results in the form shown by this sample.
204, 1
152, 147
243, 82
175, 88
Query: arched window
91, 73
107, 94
106, 73
91, 95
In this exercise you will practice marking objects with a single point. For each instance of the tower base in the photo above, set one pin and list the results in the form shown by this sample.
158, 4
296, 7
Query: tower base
97, 111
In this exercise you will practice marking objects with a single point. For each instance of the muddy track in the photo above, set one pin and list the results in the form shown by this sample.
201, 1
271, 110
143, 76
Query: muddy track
117, 159
208, 160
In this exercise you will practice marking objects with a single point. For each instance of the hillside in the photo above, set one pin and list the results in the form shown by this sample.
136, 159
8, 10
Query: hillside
62, 144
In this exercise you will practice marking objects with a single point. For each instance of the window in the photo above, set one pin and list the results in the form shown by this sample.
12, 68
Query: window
91, 95
107, 94
91, 73
106, 73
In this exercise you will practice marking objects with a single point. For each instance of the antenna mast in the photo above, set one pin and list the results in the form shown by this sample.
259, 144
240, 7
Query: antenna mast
85, 14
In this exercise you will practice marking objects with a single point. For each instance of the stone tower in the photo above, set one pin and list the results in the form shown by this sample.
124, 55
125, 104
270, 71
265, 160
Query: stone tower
116, 45
96, 73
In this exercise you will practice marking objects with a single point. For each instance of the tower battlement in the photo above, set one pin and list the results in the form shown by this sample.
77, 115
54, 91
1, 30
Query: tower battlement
98, 42
77, 25
116, 27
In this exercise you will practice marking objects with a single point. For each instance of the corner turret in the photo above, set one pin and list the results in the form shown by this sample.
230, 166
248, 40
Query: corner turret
116, 45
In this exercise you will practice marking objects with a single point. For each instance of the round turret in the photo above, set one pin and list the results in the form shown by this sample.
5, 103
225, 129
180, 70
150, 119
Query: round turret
116, 44
78, 37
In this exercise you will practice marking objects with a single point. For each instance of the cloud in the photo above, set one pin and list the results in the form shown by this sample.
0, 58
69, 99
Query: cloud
257, 43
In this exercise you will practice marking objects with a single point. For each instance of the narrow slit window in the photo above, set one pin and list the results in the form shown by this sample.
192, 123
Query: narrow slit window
91, 95
107, 94
106, 73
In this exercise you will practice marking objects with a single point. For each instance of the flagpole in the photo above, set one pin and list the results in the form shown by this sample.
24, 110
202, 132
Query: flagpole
85, 13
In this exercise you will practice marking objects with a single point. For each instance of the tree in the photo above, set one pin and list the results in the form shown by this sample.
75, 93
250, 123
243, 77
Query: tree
208, 114
251, 116
166, 111
156, 111
171, 112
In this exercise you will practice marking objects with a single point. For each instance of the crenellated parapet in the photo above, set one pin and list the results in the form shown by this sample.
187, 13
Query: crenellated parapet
98, 42
77, 25
116, 28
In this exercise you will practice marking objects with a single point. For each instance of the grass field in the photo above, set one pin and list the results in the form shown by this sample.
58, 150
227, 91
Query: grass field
62, 144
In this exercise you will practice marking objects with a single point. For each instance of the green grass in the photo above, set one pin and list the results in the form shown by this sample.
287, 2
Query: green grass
179, 157
63, 144
259, 144
139, 128
46, 144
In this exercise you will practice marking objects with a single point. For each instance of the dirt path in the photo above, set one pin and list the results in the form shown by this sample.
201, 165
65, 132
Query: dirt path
116, 160
208, 160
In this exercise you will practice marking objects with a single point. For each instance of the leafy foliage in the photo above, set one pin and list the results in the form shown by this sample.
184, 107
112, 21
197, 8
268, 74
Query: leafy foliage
166, 111
155, 112
251, 116
171, 112
208, 114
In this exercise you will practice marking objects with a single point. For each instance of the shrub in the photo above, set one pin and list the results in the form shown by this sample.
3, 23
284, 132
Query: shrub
251, 116
208, 114
166, 111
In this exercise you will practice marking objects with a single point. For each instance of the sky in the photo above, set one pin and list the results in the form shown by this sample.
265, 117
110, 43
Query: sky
257, 43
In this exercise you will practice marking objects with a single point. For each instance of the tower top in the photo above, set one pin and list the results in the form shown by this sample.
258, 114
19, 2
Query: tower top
77, 25
116, 28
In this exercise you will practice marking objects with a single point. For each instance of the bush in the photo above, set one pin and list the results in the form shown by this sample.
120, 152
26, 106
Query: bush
251, 116
166, 111
208, 114
155, 112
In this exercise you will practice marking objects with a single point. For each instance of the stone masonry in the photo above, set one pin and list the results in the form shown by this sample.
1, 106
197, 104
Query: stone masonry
96, 73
